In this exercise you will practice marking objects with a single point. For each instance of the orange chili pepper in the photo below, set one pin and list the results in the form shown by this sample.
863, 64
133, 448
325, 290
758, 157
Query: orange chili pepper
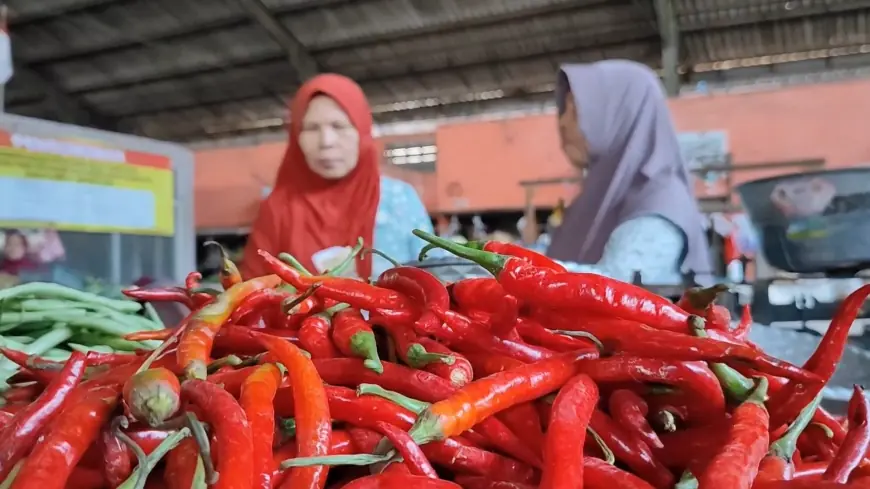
197, 339
313, 421
258, 392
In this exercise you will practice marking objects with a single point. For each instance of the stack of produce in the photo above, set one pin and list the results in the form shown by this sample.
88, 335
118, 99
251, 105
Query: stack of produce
536, 378
51, 320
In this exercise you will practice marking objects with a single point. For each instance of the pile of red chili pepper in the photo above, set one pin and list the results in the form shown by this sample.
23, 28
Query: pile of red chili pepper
533, 378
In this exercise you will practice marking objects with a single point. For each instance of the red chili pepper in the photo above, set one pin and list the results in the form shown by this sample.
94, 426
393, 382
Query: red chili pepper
736, 464
857, 441
745, 325
73, 430
599, 474
168, 294
810, 469
356, 293
777, 464
527, 255
347, 407
469, 337
197, 338
258, 392
117, 464
631, 450
458, 371
21, 393
315, 335
256, 303
594, 294
476, 482
630, 410
486, 294
413, 383
410, 350
422, 287
413, 456
341, 443
228, 274
399, 481
313, 420
490, 363
181, 463
788, 401
695, 378
632, 338
22, 431
153, 395
535, 334
698, 300
86, 478
490, 395
354, 338
566, 434
234, 445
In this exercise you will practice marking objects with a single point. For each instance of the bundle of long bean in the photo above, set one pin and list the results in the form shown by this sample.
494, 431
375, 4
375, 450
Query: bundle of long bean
51, 320
535, 378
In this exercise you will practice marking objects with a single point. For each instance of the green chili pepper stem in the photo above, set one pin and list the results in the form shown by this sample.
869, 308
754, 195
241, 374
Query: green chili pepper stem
336, 460
332, 311
348, 260
364, 345
418, 357
172, 441
406, 402
142, 459
199, 476
7, 483
759, 395
385, 256
735, 384
425, 251
227, 361
197, 429
293, 262
492, 262
702, 298
609, 457
687, 481
288, 426
289, 305
829, 433
785, 447
667, 420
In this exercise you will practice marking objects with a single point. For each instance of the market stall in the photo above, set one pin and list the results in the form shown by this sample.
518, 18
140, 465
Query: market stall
121, 205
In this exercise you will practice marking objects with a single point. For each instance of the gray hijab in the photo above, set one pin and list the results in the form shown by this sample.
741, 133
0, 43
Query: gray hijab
635, 166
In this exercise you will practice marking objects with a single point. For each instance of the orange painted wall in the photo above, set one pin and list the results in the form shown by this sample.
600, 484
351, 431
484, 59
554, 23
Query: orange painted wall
481, 163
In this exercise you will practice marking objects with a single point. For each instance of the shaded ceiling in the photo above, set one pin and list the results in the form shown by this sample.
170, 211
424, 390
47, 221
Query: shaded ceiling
178, 70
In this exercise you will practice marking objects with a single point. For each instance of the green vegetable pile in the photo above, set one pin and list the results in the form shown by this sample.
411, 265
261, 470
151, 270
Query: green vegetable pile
51, 320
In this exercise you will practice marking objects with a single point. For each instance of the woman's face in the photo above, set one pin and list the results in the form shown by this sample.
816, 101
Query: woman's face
574, 145
328, 140
15, 247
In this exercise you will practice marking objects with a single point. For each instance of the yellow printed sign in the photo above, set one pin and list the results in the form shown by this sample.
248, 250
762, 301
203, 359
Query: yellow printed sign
62, 185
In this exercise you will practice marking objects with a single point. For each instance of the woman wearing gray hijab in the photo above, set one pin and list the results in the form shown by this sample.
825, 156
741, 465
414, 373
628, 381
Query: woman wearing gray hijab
637, 211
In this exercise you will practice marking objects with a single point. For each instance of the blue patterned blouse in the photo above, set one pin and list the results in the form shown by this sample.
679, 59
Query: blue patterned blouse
400, 211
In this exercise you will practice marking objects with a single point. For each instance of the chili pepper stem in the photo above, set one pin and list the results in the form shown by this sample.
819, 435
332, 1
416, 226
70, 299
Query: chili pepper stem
582, 334
492, 262
335, 460
197, 429
363, 344
418, 357
785, 447
427, 428
139, 476
609, 457
413, 405
687, 481
288, 427
293, 262
667, 421
737, 386
702, 298
759, 395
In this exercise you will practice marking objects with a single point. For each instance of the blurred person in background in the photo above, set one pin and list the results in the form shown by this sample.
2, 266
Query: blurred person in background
637, 210
329, 191
16, 258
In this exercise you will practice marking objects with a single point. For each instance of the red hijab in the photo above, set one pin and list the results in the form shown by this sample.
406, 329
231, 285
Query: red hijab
305, 212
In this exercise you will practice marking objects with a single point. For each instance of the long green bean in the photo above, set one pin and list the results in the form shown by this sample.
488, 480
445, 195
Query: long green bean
48, 290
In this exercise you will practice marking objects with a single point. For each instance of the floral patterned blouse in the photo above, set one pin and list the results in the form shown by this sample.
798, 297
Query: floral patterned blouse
400, 211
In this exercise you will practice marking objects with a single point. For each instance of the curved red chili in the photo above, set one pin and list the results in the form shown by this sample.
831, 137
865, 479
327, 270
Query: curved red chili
169, 294
630, 410
258, 392
736, 464
256, 303
73, 430
854, 447
534, 333
566, 434
347, 407
399, 481
530, 256
788, 402
234, 446
414, 458
312, 411
117, 463
458, 371
316, 338
354, 338
421, 286
25, 427
599, 474
468, 337
417, 384
181, 464
631, 450
477, 482
486, 294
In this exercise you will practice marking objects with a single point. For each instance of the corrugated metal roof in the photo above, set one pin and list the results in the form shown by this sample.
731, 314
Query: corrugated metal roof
174, 69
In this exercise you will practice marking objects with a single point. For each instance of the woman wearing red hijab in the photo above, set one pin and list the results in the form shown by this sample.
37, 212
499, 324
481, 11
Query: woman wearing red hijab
329, 191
